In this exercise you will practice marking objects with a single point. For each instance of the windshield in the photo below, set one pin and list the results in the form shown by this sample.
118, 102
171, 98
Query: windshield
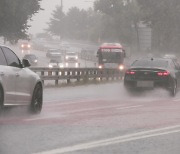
151, 63
71, 54
111, 57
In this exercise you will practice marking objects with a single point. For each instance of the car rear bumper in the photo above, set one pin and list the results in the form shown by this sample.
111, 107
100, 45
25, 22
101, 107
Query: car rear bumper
148, 84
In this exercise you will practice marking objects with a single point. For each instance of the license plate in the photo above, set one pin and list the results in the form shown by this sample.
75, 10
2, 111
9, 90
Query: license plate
145, 84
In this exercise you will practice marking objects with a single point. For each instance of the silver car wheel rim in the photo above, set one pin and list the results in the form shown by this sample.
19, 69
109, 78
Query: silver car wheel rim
38, 100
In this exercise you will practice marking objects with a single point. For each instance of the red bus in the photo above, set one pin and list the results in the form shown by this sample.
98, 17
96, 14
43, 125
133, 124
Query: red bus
111, 55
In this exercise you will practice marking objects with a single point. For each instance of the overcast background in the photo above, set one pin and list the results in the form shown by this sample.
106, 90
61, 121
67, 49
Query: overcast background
40, 20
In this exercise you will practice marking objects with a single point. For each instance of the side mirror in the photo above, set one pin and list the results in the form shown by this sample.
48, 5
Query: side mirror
26, 63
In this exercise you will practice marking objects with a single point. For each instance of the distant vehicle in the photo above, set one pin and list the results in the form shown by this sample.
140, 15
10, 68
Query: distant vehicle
53, 53
71, 59
170, 56
153, 72
65, 46
25, 46
54, 63
111, 55
18, 84
32, 59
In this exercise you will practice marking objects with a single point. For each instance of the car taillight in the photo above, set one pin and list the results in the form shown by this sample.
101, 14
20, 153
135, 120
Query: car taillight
130, 72
165, 73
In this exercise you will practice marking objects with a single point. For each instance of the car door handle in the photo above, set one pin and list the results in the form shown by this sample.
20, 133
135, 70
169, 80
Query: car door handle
17, 74
2, 73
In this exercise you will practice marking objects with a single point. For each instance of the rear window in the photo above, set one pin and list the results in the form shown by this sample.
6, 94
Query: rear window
30, 56
58, 60
151, 63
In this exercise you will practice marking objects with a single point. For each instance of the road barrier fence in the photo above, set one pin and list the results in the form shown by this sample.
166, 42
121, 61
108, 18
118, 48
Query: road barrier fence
78, 74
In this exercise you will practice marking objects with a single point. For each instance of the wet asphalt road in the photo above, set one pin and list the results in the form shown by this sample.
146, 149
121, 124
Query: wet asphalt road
94, 119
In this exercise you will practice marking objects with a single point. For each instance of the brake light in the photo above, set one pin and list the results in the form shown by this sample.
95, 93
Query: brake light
130, 72
166, 73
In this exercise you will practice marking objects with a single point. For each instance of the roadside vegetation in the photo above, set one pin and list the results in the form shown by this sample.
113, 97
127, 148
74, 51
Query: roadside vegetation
108, 20
14, 17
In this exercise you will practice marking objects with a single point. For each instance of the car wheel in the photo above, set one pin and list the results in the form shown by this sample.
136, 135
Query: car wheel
174, 88
1, 99
37, 99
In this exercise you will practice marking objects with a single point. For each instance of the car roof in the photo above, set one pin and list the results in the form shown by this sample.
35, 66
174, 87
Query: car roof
111, 45
170, 56
71, 52
167, 60
2, 45
53, 49
154, 58
29, 55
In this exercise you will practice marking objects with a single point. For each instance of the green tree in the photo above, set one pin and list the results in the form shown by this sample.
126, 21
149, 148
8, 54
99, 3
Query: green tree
57, 24
163, 17
73, 25
119, 18
14, 15
77, 23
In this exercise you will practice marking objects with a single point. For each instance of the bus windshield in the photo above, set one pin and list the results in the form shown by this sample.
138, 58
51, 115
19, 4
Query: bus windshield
111, 57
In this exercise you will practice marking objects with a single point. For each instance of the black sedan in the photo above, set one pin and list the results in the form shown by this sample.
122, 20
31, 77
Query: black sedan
153, 72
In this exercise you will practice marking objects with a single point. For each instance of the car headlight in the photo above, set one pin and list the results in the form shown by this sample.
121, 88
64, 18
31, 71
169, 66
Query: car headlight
22, 45
35, 61
50, 66
67, 57
29, 45
100, 67
121, 67
76, 64
61, 65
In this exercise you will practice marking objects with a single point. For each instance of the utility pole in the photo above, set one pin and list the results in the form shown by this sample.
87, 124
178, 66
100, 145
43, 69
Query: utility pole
61, 14
62, 5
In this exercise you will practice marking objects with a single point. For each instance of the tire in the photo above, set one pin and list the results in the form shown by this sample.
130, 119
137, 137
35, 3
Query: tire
1, 99
37, 100
174, 88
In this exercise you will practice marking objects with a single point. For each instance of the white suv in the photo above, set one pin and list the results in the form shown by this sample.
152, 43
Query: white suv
18, 84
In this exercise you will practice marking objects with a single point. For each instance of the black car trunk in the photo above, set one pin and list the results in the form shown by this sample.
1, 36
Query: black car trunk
147, 74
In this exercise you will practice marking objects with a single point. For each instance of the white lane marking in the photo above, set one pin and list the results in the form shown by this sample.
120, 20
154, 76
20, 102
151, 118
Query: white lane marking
93, 109
176, 100
106, 107
115, 140
129, 107
46, 117
72, 102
